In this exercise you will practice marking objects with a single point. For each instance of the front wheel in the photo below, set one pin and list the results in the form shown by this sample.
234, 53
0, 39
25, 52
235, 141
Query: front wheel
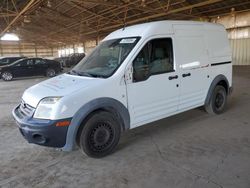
218, 101
100, 134
7, 76
50, 72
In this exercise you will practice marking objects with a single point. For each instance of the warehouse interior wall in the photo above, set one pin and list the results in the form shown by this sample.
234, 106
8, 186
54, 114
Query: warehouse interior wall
238, 27
240, 51
86, 47
13, 48
237, 24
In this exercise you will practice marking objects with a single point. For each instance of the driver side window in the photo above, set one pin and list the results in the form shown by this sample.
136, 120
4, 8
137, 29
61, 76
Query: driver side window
22, 63
156, 57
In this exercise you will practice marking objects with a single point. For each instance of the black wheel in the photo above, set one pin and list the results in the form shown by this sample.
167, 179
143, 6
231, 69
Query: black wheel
100, 134
50, 72
218, 101
7, 76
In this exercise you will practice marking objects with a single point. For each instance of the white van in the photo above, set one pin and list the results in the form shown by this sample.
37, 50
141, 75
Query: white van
137, 75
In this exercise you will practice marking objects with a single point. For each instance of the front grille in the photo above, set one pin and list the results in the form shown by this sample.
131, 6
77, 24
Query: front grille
25, 109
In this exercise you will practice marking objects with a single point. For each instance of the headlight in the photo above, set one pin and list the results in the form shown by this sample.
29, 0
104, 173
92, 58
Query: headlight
45, 107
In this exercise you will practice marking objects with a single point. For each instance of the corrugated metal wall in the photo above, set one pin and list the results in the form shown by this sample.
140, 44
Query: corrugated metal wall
238, 27
240, 51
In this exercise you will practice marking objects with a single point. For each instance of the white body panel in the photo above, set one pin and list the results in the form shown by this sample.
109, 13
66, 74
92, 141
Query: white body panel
149, 100
191, 58
196, 46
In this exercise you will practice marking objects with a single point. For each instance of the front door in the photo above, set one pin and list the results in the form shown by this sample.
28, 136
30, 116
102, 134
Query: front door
23, 68
154, 92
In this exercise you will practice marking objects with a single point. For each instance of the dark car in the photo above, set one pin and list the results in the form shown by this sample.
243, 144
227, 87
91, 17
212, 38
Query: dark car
9, 60
73, 59
30, 67
61, 60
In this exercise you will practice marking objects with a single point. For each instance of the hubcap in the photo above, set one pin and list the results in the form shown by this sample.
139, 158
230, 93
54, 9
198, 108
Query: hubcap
51, 73
101, 137
219, 100
7, 76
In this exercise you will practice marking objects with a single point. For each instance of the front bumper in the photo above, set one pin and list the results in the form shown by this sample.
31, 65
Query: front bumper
41, 132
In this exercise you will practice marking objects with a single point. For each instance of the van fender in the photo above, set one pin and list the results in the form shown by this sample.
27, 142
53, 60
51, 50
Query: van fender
110, 104
216, 80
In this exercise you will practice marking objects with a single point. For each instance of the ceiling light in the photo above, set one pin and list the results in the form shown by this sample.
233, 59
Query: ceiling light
10, 37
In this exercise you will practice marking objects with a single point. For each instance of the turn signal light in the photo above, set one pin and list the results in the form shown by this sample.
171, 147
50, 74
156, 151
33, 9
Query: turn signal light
62, 123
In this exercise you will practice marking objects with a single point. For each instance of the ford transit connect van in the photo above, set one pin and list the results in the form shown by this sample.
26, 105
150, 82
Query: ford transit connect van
137, 75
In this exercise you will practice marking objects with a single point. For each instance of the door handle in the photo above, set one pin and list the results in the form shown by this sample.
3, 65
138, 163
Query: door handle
173, 77
186, 75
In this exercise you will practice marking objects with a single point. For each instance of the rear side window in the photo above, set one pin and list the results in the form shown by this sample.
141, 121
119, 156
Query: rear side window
156, 57
39, 62
29, 62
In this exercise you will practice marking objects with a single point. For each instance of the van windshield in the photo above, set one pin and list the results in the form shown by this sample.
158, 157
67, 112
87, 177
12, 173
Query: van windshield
105, 58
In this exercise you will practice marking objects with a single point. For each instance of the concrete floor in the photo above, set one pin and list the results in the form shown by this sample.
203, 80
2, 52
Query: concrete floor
192, 149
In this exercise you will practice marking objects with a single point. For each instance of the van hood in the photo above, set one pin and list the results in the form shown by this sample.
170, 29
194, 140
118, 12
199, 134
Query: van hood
61, 85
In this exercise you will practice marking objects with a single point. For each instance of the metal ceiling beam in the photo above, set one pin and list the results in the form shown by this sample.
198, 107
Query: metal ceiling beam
18, 16
91, 17
173, 11
7, 15
100, 2
136, 20
90, 11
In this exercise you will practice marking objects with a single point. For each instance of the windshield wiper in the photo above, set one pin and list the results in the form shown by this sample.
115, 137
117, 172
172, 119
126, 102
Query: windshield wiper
74, 72
85, 74
90, 75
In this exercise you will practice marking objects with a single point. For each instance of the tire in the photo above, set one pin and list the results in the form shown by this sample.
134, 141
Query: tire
218, 101
7, 76
50, 72
100, 134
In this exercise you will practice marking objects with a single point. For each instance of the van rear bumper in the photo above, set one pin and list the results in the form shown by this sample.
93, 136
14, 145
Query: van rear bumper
41, 132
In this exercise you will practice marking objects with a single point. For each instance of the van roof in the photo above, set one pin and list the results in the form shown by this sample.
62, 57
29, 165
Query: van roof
155, 28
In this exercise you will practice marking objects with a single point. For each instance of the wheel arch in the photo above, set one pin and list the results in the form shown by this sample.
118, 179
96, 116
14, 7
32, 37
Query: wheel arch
105, 104
218, 80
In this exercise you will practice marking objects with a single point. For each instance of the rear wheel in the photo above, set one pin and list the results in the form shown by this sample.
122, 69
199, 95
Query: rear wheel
100, 134
7, 76
50, 72
218, 101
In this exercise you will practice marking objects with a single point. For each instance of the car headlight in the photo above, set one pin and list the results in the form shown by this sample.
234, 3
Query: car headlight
45, 107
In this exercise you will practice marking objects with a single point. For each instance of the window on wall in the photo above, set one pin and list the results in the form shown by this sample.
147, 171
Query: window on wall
65, 52
80, 50
156, 57
68, 51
